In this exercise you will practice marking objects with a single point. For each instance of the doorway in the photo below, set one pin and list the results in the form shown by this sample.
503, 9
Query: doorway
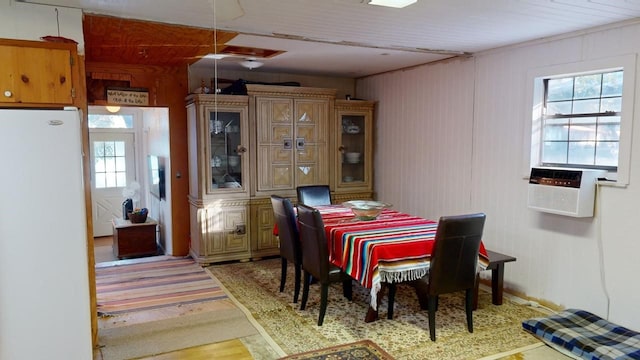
121, 141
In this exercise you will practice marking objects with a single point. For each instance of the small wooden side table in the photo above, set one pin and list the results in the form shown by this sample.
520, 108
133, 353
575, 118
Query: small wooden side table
131, 239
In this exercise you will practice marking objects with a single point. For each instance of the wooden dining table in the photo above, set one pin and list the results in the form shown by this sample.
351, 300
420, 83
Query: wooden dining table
393, 248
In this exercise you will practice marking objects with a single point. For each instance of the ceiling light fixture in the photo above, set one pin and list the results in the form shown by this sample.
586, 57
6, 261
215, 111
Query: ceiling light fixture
393, 3
251, 64
113, 108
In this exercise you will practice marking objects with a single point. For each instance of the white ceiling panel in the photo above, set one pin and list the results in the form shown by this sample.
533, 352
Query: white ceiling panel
426, 31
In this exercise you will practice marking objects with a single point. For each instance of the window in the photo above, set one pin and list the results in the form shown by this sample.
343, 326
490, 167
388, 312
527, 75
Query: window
110, 165
582, 115
111, 121
581, 120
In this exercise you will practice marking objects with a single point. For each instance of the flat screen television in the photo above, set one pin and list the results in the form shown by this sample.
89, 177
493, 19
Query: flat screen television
156, 176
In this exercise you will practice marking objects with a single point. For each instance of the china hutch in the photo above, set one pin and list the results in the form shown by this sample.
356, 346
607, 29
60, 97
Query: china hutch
244, 148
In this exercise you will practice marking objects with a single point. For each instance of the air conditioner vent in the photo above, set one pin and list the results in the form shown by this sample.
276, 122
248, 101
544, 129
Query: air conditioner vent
569, 192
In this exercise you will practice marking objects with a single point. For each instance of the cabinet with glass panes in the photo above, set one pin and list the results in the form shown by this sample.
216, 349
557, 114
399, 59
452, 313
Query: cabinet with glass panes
218, 185
353, 155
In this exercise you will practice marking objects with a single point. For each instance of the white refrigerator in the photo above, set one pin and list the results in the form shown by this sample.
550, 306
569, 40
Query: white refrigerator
44, 277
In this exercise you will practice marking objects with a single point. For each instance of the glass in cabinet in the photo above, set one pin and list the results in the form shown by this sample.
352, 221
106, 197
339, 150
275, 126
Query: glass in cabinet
354, 163
226, 149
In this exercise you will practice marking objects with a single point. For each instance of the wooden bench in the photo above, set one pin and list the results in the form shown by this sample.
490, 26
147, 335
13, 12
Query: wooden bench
496, 265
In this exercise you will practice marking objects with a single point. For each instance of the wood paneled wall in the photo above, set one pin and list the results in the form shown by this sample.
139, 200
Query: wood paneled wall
452, 137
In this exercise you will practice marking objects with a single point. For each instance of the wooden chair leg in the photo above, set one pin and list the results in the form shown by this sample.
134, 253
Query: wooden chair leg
305, 291
296, 286
324, 294
392, 298
468, 306
433, 304
283, 273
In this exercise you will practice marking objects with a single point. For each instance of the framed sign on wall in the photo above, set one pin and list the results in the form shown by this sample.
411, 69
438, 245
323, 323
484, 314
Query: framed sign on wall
128, 96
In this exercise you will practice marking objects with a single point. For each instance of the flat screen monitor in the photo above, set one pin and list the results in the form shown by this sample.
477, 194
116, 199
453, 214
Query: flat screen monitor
156, 176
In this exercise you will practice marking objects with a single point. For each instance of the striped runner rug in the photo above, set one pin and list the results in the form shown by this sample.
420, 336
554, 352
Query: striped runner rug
123, 288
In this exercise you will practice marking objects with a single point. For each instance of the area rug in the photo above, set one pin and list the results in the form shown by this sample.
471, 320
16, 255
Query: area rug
127, 287
255, 285
191, 328
359, 350
159, 305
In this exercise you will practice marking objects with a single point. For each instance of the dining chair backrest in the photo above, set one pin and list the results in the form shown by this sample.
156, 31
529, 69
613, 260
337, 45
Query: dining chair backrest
454, 258
315, 257
314, 195
287, 229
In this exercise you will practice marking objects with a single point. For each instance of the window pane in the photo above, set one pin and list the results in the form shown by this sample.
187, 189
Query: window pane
554, 152
582, 152
587, 86
120, 164
584, 121
609, 120
562, 107
98, 148
612, 84
101, 181
109, 149
119, 148
560, 89
110, 164
99, 164
113, 121
607, 153
556, 121
586, 106
611, 104
609, 132
582, 132
556, 132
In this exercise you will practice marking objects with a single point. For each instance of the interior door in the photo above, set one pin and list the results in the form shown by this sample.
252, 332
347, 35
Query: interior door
112, 168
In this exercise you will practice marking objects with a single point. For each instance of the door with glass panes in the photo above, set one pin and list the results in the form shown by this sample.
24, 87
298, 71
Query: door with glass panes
112, 168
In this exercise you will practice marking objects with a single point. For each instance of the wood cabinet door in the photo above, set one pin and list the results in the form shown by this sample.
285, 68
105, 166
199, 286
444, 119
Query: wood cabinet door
275, 148
35, 75
292, 147
311, 142
222, 236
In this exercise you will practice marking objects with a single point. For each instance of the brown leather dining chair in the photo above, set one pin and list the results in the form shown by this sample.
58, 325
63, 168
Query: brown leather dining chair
290, 249
454, 265
314, 195
315, 260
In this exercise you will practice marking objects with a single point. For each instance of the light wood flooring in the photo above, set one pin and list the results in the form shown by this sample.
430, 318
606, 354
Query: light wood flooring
231, 349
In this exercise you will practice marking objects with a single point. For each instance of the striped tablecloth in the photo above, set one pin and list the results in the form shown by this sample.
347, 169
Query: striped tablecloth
395, 247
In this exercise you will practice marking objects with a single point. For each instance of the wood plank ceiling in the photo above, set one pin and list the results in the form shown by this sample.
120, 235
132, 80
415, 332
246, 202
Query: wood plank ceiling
126, 41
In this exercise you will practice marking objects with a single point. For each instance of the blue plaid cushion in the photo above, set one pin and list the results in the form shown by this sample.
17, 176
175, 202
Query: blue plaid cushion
586, 335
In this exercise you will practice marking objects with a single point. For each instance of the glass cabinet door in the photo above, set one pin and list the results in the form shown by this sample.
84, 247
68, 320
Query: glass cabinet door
226, 150
353, 148
354, 159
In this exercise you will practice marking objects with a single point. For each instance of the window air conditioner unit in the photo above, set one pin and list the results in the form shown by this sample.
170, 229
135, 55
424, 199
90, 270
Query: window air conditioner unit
569, 192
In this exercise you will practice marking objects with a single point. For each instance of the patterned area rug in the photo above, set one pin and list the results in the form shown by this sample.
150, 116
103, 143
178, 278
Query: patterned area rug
127, 287
359, 350
255, 285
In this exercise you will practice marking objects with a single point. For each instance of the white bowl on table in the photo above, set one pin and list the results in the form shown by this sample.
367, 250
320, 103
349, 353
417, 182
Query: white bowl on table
366, 209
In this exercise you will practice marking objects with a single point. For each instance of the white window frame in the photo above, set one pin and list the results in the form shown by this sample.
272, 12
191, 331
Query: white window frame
535, 95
